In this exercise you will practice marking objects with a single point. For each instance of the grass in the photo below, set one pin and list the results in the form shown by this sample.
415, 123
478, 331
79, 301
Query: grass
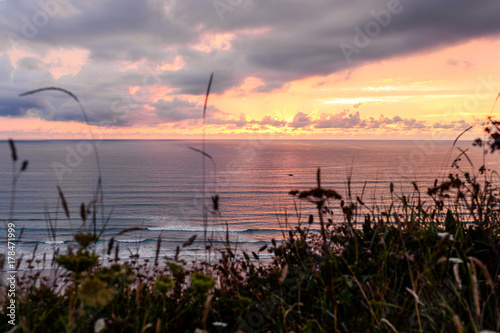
427, 262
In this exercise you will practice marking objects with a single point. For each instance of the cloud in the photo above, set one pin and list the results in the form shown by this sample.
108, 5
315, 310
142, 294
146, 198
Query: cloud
338, 120
229, 122
16, 107
194, 82
458, 125
6, 68
177, 109
30, 63
111, 30
397, 122
300, 120
277, 42
95, 87
271, 121
348, 120
454, 62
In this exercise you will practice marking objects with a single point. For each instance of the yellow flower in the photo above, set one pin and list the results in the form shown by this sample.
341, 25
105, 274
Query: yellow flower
94, 292
202, 283
164, 284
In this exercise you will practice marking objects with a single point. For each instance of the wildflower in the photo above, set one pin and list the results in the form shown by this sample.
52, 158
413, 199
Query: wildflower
78, 263
201, 282
445, 235
175, 268
456, 260
85, 239
199, 330
164, 284
94, 292
100, 324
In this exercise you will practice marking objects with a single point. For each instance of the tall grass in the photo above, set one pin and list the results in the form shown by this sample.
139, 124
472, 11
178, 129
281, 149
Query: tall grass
429, 261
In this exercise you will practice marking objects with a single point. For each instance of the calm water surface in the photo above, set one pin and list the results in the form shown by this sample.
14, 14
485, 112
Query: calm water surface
158, 185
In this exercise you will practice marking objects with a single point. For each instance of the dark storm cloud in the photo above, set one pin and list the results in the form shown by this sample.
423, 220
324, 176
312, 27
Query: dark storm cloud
111, 30
309, 38
15, 107
92, 86
58, 107
313, 47
303, 36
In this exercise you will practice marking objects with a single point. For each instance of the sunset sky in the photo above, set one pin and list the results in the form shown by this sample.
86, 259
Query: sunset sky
316, 69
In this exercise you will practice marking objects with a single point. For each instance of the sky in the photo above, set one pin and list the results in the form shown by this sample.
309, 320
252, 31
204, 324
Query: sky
290, 69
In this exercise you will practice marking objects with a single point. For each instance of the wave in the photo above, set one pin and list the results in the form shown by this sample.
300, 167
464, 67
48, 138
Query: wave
59, 242
133, 240
263, 230
209, 229
190, 229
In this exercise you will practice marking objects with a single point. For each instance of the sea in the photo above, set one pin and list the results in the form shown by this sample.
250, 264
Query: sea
160, 188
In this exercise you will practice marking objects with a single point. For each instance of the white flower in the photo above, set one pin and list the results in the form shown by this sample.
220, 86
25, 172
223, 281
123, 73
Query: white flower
445, 234
456, 260
218, 323
100, 324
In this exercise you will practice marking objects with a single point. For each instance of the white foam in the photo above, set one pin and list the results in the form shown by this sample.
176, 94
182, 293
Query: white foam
191, 229
54, 242
131, 240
